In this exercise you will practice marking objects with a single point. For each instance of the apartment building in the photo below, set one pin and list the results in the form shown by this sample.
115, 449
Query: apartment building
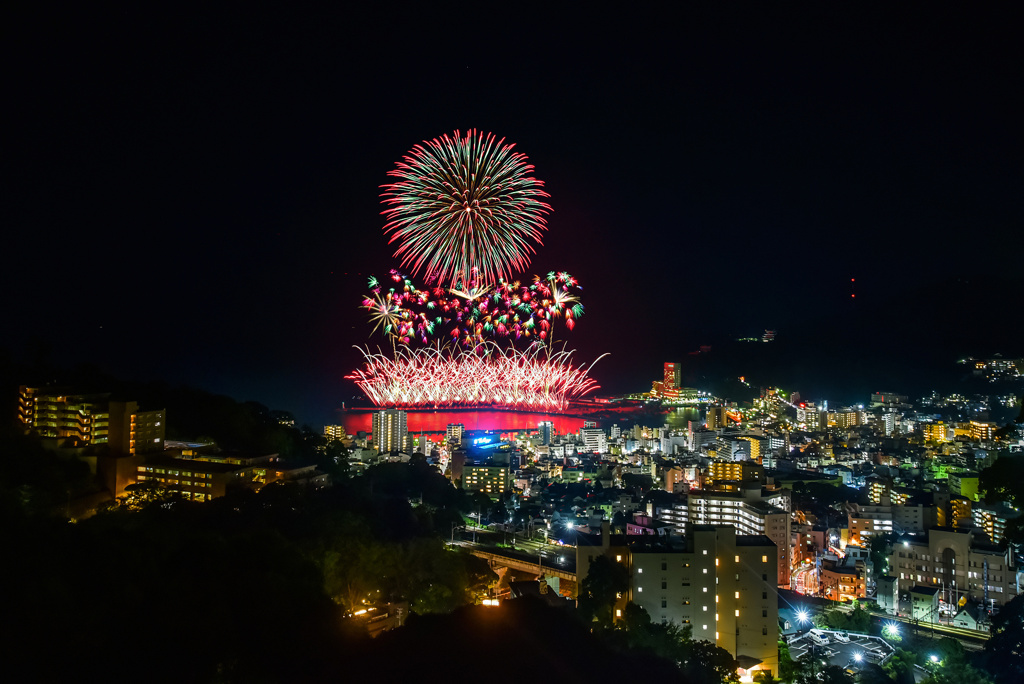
961, 561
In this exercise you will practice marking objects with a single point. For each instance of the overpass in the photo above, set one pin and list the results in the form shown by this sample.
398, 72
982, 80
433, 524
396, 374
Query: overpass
525, 563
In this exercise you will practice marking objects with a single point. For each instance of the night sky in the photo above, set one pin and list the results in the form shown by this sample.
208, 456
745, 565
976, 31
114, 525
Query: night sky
194, 196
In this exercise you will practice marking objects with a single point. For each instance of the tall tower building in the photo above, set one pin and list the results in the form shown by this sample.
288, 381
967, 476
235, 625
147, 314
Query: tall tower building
546, 428
453, 433
390, 430
673, 376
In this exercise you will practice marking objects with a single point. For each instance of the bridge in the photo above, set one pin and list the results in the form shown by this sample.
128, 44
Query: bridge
525, 563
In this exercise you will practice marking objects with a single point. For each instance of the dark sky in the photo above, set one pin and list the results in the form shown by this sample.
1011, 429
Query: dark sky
194, 196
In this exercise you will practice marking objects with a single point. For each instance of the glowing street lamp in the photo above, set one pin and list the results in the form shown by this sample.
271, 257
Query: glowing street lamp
802, 616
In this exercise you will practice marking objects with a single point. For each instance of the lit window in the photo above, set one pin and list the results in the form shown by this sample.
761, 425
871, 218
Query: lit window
618, 613
764, 559
737, 594
705, 552
737, 612
737, 559
618, 558
705, 571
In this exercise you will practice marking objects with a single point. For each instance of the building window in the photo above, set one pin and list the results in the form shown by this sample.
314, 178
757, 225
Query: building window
737, 559
664, 565
764, 578
618, 558
764, 559
764, 594
618, 612
764, 631
664, 603
764, 613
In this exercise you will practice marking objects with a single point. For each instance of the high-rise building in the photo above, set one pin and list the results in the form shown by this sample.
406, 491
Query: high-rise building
546, 429
453, 433
673, 376
753, 510
722, 585
390, 431
594, 440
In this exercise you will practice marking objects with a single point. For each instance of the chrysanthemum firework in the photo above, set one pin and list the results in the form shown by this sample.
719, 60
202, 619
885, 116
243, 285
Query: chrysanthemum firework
464, 208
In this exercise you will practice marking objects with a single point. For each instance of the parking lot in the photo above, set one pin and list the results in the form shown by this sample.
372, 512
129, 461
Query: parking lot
860, 649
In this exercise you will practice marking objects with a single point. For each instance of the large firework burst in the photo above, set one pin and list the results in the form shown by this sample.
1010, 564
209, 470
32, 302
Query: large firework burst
509, 378
464, 208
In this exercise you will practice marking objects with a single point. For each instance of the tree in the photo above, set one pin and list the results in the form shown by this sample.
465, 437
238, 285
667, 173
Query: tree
599, 590
1003, 651
901, 666
705, 663
787, 666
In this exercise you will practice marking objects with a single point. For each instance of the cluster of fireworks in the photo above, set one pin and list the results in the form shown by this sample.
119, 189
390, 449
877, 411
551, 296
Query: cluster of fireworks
500, 377
472, 315
466, 212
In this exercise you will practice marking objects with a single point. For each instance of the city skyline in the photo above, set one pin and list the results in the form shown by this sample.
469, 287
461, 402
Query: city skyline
214, 212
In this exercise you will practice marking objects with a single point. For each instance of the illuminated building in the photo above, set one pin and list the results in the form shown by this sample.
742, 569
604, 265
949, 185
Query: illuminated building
756, 444
334, 432
453, 433
888, 400
489, 478
935, 432
808, 416
752, 511
843, 581
993, 520
723, 586
960, 511
734, 475
673, 376
846, 418
982, 431
715, 417
81, 420
594, 440
545, 428
206, 477
390, 431
957, 561
964, 483
864, 521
